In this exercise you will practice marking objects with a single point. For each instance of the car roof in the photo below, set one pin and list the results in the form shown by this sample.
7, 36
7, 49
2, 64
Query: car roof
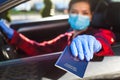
7, 4
2, 1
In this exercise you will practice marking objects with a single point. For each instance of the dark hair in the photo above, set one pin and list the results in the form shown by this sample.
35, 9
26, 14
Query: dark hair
76, 1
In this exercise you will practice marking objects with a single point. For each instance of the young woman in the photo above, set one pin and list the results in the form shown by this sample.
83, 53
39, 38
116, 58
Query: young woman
84, 41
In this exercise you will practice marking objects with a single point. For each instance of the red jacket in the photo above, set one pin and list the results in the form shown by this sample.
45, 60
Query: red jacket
32, 48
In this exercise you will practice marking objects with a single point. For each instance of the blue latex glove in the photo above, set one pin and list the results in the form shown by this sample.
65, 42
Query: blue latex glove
5, 28
84, 47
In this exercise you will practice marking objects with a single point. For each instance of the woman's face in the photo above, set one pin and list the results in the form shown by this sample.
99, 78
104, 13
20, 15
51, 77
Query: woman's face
82, 8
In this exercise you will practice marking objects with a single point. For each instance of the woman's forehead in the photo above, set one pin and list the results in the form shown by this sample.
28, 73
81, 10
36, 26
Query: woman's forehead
81, 6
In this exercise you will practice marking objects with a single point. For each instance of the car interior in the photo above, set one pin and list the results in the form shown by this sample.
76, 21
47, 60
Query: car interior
36, 67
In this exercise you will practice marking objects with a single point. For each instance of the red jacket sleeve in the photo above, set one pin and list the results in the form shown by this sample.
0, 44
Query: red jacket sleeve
106, 38
32, 48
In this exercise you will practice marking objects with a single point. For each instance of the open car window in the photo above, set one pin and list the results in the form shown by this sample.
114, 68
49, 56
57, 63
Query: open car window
34, 10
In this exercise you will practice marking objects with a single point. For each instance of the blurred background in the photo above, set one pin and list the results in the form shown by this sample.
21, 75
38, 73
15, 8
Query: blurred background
37, 9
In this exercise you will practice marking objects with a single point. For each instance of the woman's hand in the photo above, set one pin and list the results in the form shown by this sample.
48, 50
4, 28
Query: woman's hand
84, 47
5, 28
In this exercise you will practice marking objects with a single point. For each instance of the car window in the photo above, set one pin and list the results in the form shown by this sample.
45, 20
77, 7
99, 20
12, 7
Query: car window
38, 9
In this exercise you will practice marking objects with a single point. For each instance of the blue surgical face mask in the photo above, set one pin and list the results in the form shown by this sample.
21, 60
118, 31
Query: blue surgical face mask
79, 22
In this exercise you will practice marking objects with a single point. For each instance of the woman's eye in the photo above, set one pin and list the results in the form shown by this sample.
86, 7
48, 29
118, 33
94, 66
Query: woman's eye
74, 12
85, 13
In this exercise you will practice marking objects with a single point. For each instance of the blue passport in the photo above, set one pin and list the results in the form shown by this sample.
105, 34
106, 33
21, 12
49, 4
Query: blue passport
71, 64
